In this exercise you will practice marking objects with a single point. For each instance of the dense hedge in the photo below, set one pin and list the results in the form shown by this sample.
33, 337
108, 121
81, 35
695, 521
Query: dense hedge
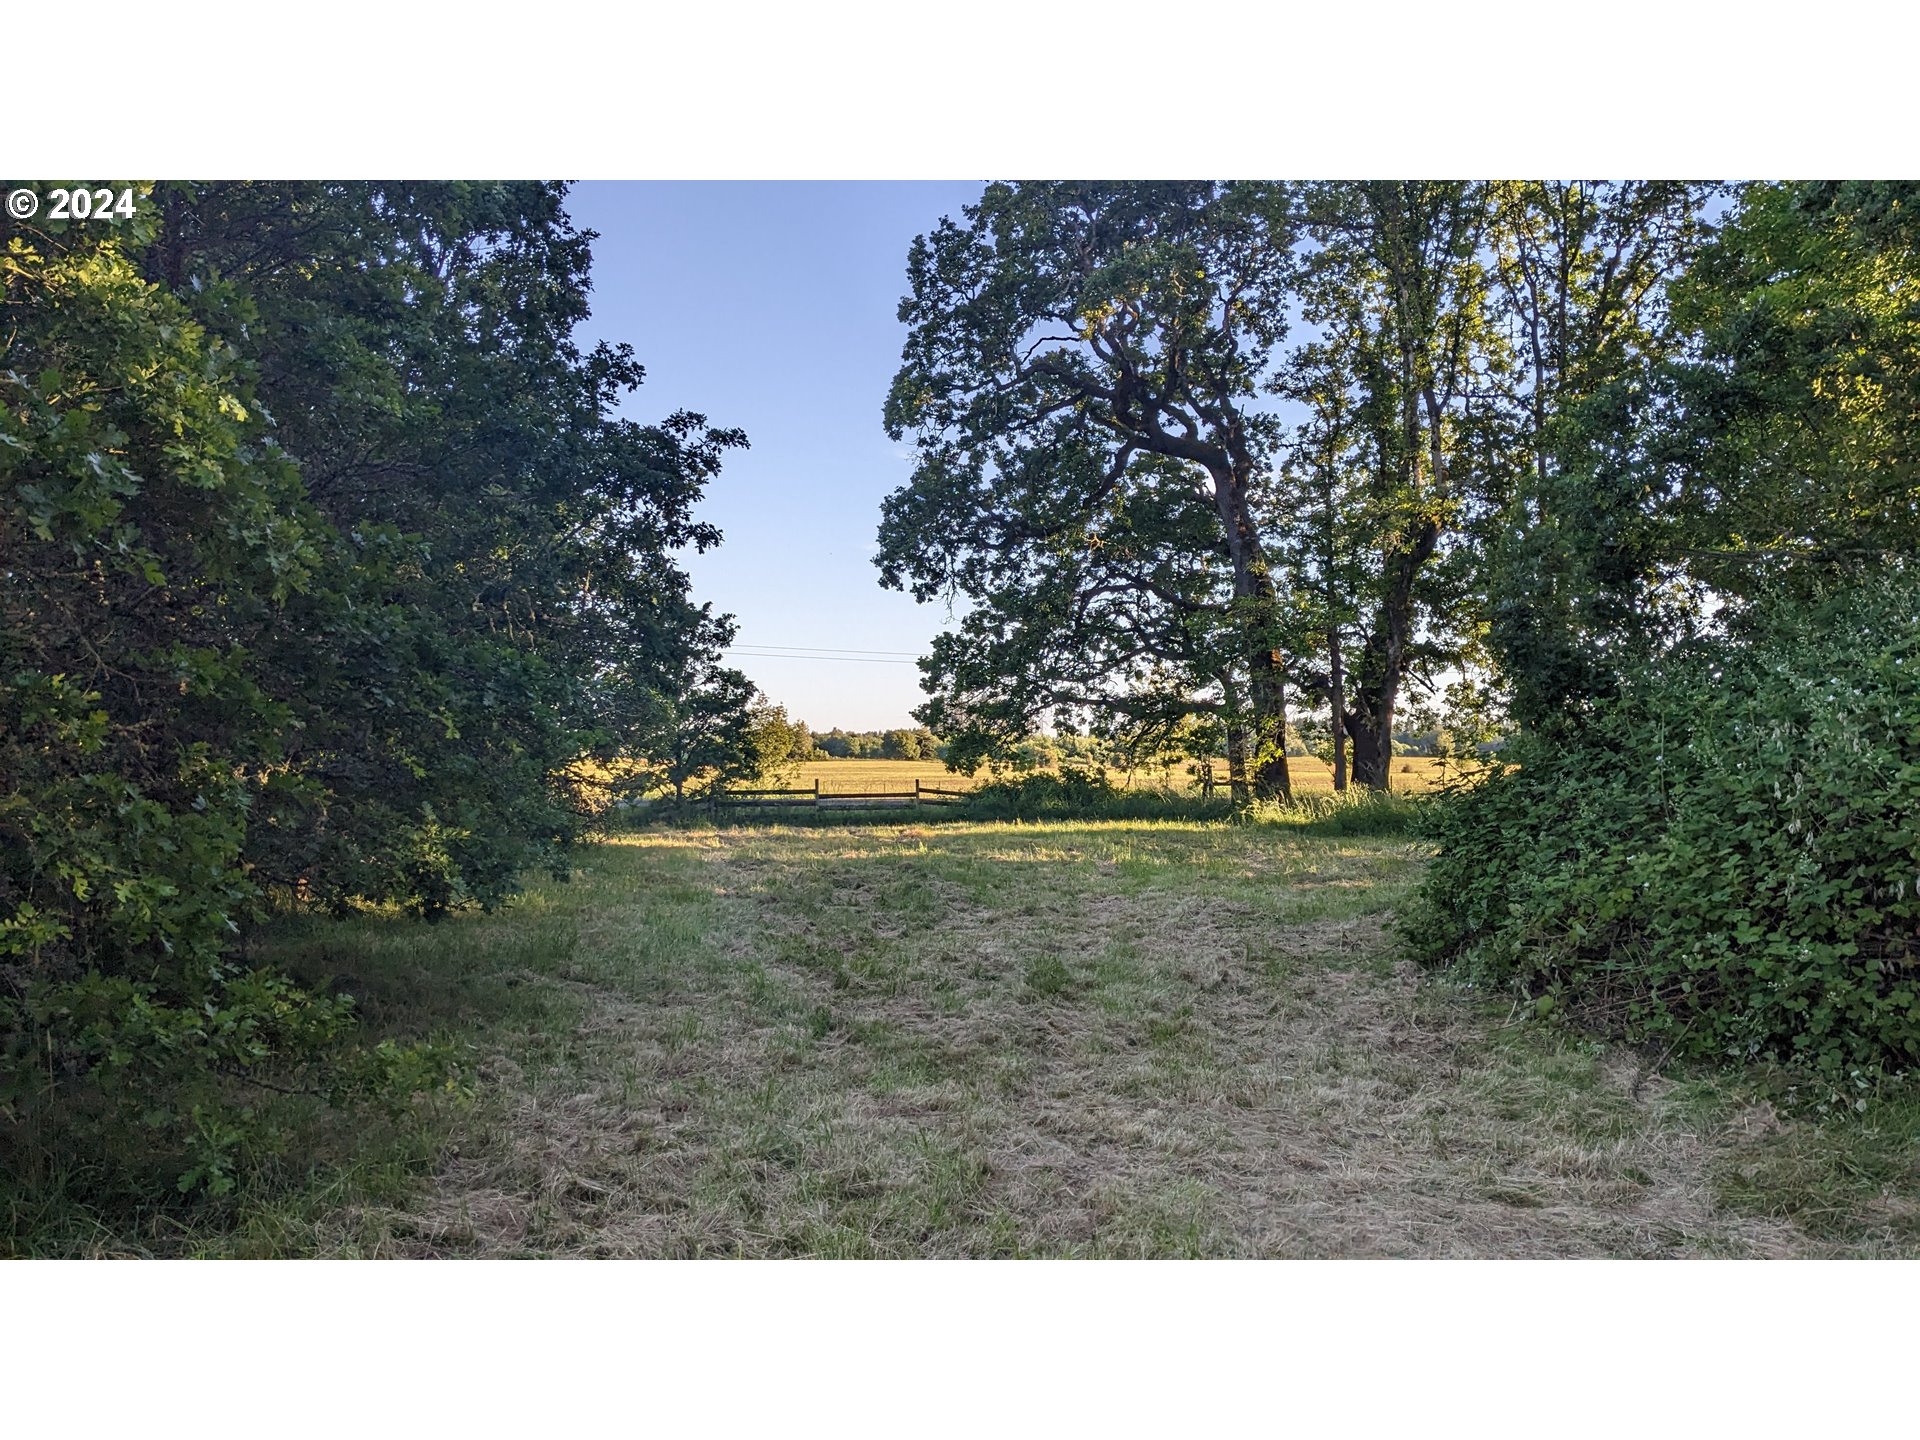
326, 555
1724, 858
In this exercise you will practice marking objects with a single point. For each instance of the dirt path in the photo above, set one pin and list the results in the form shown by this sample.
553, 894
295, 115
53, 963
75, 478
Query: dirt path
964, 1042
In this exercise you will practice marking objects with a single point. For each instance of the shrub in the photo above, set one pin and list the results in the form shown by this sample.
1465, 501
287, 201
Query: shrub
1354, 812
1724, 858
1083, 792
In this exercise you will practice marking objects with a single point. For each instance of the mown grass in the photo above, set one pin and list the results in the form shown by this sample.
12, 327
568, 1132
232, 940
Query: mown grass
1070, 1037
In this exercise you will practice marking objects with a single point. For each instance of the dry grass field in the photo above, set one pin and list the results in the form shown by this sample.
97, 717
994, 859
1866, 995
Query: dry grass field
880, 775
1073, 1039
1412, 774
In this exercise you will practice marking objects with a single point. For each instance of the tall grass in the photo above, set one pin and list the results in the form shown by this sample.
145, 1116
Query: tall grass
1354, 812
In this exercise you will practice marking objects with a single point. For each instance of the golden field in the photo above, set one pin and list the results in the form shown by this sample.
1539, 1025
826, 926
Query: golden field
1411, 774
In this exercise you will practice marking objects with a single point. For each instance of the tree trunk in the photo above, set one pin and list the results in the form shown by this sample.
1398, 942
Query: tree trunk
1376, 695
1372, 759
1376, 698
1269, 730
1252, 582
1237, 765
1338, 686
1383, 664
1336, 672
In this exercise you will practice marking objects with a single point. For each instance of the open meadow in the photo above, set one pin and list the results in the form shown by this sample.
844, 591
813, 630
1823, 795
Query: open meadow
963, 1039
1411, 774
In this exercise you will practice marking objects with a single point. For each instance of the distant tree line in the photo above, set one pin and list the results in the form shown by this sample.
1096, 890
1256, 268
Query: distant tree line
897, 744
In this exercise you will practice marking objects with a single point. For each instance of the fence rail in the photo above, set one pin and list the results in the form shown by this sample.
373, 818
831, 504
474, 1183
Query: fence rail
815, 796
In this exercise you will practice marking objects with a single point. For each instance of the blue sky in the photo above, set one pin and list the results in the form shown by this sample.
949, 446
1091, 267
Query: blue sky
771, 306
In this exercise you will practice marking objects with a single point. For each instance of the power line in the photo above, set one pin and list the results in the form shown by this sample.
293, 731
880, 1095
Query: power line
849, 659
821, 649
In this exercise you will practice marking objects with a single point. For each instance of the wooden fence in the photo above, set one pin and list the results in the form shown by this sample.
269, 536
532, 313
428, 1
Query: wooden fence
819, 799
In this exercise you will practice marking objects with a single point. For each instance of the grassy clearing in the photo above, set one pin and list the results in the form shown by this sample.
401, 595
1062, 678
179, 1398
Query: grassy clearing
1083, 1038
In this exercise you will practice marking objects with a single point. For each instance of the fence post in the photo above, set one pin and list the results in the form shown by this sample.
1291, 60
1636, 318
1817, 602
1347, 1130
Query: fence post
816, 792
916, 790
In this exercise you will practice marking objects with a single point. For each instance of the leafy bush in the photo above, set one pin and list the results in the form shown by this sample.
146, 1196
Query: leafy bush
153, 538
1724, 857
297, 607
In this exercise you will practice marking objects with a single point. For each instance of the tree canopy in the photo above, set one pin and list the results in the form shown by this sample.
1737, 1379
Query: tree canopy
1705, 607
1212, 450
327, 553
1082, 375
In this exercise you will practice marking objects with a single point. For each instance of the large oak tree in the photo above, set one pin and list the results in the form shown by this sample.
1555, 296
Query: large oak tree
1083, 377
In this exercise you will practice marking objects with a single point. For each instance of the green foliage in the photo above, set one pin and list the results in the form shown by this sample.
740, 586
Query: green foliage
776, 746
1145, 541
914, 744
1705, 612
326, 555
1800, 423
152, 537
1777, 450
1082, 378
1354, 812
918, 743
1725, 859
501, 595
1408, 449
1081, 792
696, 727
